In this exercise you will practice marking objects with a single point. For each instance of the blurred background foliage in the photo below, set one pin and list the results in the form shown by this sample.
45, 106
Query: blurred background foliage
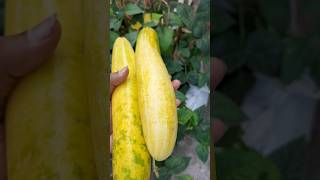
269, 37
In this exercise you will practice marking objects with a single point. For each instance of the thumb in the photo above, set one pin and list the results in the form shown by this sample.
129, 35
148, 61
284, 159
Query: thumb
117, 78
23, 53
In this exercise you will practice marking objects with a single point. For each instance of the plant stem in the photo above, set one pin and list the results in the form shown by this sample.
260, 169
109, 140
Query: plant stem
155, 168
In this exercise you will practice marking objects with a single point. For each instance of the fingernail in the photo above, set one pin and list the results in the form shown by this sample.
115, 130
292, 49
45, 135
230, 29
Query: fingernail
42, 30
123, 70
178, 102
177, 82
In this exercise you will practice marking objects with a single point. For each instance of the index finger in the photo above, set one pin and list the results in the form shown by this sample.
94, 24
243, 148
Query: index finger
218, 71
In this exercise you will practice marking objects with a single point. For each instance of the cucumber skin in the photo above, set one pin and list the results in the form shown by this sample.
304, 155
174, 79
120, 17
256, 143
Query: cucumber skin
131, 159
157, 101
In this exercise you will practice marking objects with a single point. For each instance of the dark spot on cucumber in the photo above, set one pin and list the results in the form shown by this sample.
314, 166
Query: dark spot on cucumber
127, 173
138, 159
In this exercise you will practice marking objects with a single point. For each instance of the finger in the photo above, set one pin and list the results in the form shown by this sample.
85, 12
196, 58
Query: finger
218, 71
218, 130
176, 84
118, 78
178, 102
23, 53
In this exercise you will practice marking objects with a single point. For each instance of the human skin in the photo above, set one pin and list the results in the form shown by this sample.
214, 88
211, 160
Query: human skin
218, 70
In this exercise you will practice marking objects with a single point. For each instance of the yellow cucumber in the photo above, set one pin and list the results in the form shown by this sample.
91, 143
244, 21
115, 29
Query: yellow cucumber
56, 118
131, 159
157, 102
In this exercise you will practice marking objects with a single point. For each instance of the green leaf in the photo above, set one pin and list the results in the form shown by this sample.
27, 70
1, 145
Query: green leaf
132, 37
174, 20
222, 21
111, 12
177, 164
239, 164
132, 9
165, 35
202, 135
264, 52
119, 13
195, 62
227, 110
203, 79
202, 152
181, 132
203, 10
198, 79
201, 111
276, 13
184, 115
199, 29
290, 160
193, 77
184, 177
204, 43
183, 43
193, 122
184, 52
185, 13
233, 138
150, 24
243, 79
180, 96
294, 62
229, 47
204, 6
156, 17
181, 76
113, 36
164, 173
173, 66
115, 23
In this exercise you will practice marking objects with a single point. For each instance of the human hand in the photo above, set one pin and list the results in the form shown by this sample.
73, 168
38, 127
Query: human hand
19, 55
218, 70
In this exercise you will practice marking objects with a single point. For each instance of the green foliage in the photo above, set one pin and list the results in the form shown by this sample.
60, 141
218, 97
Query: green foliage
264, 52
244, 164
257, 36
132, 37
226, 109
290, 159
132, 9
112, 37
276, 13
177, 164
180, 96
202, 152
172, 166
184, 177
166, 34
184, 43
